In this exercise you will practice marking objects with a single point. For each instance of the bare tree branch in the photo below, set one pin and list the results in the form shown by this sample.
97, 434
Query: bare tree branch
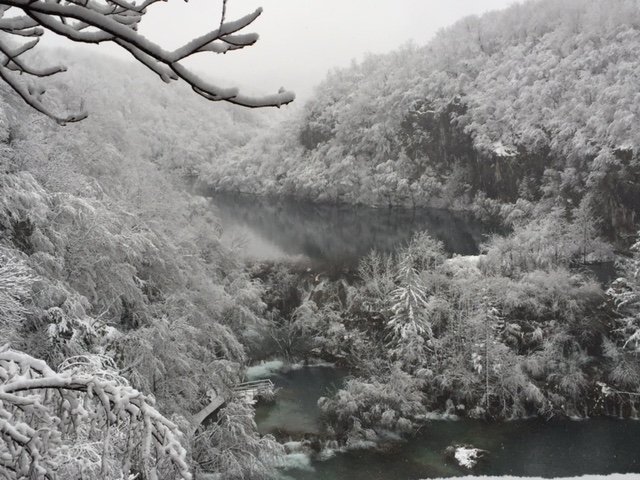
33, 98
116, 21
17, 64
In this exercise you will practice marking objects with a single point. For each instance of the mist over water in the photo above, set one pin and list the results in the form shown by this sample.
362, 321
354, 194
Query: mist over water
273, 229
284, 229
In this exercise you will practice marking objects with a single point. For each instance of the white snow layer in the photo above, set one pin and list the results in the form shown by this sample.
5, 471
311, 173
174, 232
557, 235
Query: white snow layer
500, 150
468, 457
615, 476
301, 461
264, 369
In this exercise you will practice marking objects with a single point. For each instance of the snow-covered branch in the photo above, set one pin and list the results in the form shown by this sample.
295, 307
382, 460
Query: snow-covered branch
45, 416
115, 21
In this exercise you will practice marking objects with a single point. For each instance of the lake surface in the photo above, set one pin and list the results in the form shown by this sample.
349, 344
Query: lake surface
522, 448
273, 229
277, 229
298, 391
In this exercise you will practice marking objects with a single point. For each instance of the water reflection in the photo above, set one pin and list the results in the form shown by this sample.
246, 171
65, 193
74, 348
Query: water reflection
298, 390
274, 228
520, 448
600, 446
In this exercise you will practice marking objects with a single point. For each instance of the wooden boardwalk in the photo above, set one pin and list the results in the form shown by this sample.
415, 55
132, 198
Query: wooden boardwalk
216, 403
247, 391
252, 390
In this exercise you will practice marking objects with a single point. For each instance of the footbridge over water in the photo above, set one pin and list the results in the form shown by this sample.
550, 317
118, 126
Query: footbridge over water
246, 391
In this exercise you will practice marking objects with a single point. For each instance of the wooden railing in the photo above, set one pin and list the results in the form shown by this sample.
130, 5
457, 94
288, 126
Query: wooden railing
258, 386
248, 390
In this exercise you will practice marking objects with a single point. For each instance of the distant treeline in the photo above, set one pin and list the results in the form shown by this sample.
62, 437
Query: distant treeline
508, 114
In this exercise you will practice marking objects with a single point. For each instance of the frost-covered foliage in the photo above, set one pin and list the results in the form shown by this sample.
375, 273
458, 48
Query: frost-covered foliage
365, 408
84, 420
625, 295
475, 339
135, 118
338, 149
547, 241
16, 279
103, 252
232, 446
538, 101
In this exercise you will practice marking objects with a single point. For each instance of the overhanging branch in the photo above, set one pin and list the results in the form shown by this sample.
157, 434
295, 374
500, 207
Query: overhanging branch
116, 21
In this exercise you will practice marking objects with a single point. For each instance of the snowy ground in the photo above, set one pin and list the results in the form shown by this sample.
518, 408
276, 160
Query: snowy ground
614, 476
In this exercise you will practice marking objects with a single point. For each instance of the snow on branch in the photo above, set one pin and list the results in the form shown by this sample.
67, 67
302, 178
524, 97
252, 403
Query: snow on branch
116, 21
84, 421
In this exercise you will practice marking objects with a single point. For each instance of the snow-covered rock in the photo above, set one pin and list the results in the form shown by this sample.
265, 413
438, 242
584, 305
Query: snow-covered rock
465, 455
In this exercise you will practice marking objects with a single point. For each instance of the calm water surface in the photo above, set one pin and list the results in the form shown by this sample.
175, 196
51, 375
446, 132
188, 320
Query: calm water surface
298, 391
523, 448
271, 228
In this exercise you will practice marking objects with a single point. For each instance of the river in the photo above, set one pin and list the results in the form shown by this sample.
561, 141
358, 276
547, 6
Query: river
520, 448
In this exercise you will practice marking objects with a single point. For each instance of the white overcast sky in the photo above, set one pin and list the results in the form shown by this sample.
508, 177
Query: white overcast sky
300, 40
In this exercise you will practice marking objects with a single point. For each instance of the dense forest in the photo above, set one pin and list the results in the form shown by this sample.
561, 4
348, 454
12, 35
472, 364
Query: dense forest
505, 114
495, 336
104, 255
112, 267
526, 117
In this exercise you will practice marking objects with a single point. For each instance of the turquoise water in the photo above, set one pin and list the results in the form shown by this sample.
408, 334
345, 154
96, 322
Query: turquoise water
527, 448
295, 409
523, 448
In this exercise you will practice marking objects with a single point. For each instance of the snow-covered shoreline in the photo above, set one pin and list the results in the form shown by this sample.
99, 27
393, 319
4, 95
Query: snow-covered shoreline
614, 476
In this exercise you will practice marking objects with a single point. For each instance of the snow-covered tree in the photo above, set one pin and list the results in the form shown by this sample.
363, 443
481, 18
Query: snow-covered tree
409, 302
232, 448
83, 421
113, 21
625, 293
15, 285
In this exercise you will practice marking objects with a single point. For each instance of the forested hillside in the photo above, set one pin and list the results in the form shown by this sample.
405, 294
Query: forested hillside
508, 114
104, 256
114, 282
